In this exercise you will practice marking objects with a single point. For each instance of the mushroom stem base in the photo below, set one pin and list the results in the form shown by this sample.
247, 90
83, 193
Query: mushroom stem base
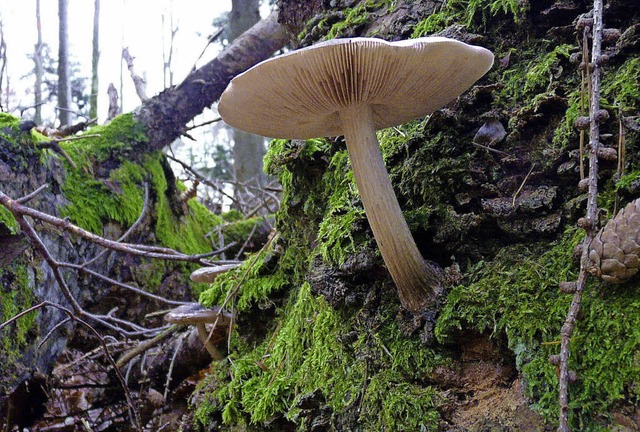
204, 337
418, 284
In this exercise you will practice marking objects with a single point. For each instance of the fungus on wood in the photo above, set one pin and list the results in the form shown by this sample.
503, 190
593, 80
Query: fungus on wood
196, 314
209, 274
353, 87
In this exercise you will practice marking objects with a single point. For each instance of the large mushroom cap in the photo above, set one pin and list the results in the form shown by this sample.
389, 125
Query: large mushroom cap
298, 95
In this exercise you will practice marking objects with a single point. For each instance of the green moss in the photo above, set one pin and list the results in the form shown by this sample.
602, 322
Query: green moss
16, 295
18, 149
7, 219
303, 355
119, 198
343, 213
517, 295
627, 180
302, 352
531, 78
467, 13
184, 233
114, 140
398, 405
358, 15
93, 202
252, 282
620, 87
565, 135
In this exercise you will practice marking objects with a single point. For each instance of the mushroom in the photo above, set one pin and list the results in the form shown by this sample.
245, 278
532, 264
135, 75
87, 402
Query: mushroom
353, 87
196, 314
209, 274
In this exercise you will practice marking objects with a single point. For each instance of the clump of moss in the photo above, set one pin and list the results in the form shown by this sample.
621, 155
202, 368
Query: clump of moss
311, 348
16, 295
517, 295
531, 78
7, 219
467, 12
343, 214
620, 87
304, 354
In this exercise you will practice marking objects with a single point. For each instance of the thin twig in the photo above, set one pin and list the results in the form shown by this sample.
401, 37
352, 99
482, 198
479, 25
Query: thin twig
134, 416
130, 248
30, 196
515, 195
592, 212
170, 372
147, 345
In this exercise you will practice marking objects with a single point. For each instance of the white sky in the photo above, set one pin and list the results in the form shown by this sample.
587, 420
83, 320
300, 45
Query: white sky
133, 23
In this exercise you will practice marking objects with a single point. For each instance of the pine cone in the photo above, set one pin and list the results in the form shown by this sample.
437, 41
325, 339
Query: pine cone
615, 250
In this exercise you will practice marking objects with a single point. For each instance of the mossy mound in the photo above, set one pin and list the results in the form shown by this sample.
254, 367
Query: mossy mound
332, 349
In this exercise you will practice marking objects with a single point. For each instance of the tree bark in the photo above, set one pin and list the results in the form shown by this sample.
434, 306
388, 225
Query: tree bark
64, 77
166, 114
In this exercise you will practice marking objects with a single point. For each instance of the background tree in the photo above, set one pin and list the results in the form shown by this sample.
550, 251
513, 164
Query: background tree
248, 149
3, 70
38, 68
64, 79
95, 59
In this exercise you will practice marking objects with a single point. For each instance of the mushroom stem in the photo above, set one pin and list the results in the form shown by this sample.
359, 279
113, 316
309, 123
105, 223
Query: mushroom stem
418, 284
204, 337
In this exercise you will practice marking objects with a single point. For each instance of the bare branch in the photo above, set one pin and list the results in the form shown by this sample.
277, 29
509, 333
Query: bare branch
138, 82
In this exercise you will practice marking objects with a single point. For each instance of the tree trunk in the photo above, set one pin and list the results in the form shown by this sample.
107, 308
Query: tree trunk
95, 58
166, 114
38, 71
64, 77
248, 149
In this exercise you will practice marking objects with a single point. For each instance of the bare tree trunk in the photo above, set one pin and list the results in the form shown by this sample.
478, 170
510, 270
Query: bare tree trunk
3, 70
38, 70
114, 107
166, 114
167, 51
64, 78
248, 149
95, 58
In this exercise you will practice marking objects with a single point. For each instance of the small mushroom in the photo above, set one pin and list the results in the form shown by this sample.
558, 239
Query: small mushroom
353, 87
196, 314
209, 274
